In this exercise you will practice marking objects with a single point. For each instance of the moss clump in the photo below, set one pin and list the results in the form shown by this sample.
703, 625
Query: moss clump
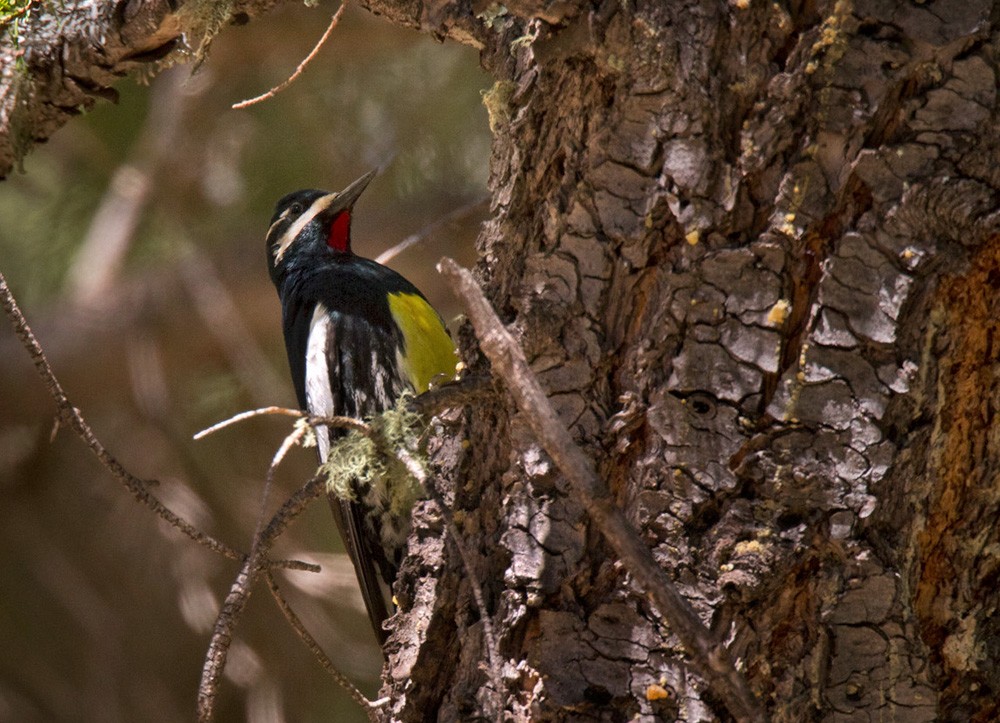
11, 11
202, 20
357, 460
498, 100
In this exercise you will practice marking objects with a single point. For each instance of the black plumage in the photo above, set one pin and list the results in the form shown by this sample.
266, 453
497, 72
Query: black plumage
348, 354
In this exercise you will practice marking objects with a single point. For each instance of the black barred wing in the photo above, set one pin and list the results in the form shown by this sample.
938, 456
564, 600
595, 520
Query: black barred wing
351, 369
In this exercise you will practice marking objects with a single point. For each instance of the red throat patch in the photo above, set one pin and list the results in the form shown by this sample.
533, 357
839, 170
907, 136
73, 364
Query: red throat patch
340, 233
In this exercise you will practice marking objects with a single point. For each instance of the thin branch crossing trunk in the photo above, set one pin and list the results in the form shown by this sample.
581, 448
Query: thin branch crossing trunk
751, 253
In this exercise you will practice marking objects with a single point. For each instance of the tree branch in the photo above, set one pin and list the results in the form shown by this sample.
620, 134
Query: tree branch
369, 706
708, 655
53, 68
334, 21
71, 417
239, 594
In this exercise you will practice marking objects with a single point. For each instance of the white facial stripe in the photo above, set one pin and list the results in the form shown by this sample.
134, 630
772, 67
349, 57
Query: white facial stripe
318, 206
282, 217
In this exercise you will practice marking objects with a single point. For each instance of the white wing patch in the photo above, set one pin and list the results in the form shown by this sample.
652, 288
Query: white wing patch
319, 396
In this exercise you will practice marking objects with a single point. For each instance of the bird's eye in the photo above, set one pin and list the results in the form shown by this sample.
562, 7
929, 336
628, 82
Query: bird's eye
296, 209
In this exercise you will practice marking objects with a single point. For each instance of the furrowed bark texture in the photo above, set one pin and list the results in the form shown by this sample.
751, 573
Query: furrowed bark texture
752, 253
59, 58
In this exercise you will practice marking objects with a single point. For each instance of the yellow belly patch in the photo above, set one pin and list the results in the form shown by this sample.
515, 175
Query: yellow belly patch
427, 348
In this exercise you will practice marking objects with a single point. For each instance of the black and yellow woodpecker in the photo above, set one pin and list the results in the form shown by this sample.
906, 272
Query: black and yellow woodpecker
358, 335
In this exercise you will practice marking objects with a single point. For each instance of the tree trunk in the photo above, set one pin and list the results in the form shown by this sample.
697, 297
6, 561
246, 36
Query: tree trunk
752, 252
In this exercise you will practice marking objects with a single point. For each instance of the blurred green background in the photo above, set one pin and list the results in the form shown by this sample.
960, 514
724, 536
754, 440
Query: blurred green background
134, 243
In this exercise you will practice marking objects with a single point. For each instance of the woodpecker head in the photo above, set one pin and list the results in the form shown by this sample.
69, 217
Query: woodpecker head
311, 225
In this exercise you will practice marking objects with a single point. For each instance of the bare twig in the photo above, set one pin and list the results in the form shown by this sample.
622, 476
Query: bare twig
241, 588
239, 594
247, 415
71, 417
340, 422
302, 66
293, 438
708, 655
294, 565
370, 707
413, 239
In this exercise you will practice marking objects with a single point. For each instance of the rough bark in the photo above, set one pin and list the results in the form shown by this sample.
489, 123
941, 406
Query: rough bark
58, 59
752, 252
748, 250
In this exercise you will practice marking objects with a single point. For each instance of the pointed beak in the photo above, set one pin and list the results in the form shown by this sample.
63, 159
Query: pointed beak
350, 194
345, 199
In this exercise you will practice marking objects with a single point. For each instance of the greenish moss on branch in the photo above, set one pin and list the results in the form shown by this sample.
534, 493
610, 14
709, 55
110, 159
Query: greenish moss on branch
498, 101
358, 459
202, 20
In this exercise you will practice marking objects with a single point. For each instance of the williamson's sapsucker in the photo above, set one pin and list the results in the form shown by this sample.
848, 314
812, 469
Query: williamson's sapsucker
358, 335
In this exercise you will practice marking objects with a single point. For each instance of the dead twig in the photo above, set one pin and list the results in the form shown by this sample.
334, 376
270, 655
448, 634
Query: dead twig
293, 438
71, 417
709, 656
239, 594
298, 71
369, 706
294, 565
414, 238
340, 422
